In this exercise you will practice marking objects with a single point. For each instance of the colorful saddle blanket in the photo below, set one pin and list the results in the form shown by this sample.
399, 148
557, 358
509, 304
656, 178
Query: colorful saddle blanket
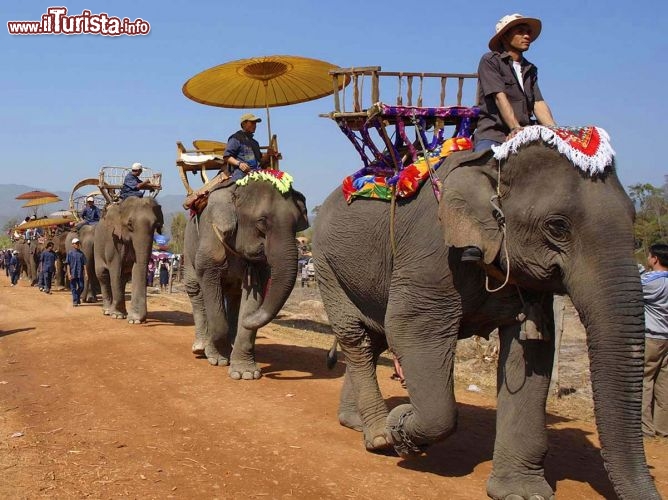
370, 182
588, 148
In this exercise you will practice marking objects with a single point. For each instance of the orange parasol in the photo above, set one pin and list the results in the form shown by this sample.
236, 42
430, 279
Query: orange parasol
31, 195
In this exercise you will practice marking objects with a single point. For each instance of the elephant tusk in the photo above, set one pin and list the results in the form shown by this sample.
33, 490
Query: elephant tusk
217, 231
227, 247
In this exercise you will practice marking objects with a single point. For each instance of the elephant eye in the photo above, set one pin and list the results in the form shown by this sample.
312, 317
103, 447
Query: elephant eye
558, 228
261, 225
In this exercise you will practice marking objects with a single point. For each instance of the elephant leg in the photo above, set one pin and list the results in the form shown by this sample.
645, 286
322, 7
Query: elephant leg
217, 345
117, 309
90, 287
105, 287
523, 382
424, 342
194, 292
361, 405
242, 361
350, 417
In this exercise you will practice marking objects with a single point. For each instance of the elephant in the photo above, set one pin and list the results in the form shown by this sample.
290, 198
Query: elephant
122, 246
86, 236
29, 252
244, 237
543, 233
59, 246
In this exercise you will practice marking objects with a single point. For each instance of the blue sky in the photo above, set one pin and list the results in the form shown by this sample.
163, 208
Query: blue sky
71, 104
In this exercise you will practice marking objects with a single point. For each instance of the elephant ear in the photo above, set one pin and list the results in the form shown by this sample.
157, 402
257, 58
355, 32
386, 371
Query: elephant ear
300, 201
121, 221
466, 214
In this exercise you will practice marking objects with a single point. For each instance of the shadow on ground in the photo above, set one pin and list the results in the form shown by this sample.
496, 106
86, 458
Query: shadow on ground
16, 330
177, 318
571, 455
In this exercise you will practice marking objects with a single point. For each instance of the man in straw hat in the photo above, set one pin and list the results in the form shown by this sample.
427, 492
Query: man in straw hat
242, 152
508, 89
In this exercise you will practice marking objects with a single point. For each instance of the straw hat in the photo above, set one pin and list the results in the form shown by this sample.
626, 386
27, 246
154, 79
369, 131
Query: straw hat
508, 22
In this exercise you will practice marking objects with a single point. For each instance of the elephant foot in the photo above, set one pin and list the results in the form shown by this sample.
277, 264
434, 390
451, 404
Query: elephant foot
244, 371
397, 435
214, 357
90, 300
375, 438
352, 420
136, 321
198, 347
520, 487
118, 315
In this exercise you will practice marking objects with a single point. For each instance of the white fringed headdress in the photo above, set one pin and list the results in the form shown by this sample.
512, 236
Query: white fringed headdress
588, 148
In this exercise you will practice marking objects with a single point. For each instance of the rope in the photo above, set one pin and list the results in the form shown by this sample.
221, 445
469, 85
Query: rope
502, 223
435, 181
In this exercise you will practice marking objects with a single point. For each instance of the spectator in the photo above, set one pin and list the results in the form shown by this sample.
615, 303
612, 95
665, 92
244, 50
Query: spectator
150, 274
655, 382
304, 275
76, 271
7, 257
163, 268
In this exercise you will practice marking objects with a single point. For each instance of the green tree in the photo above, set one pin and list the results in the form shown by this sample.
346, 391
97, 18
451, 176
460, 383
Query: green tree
651, 204
9, 225
178, 231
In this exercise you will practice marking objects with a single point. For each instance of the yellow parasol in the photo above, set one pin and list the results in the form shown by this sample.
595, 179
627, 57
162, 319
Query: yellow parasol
263, 82
41, 201
45, 222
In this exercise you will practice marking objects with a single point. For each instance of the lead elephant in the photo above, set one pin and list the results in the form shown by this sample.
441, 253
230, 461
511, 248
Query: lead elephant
122, 247
417, 296
244, 236
86, 236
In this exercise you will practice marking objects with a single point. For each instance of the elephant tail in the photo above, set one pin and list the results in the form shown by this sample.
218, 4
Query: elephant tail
332, 355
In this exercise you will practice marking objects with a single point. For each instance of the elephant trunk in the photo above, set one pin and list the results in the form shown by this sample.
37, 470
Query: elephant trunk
610, 303
282, 259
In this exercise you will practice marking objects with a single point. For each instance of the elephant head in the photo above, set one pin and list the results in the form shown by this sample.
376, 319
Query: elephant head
257, 221
557, 219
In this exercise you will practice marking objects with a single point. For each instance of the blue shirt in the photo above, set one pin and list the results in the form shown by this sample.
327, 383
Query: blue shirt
13, 262
48, 261
655, 295
130, 188
246, 150
91, 214
76, 261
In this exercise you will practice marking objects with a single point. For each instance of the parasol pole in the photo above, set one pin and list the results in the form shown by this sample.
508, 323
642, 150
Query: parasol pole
266, 107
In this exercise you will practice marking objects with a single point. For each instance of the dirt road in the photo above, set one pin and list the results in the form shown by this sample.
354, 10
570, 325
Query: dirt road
94, 407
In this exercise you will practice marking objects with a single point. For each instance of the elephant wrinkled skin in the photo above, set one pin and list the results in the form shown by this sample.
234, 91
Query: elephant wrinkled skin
122, 247
420, 298
244, 236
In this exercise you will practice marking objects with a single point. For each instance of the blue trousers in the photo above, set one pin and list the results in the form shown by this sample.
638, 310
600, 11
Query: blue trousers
77, 286
47, 278
15, 276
